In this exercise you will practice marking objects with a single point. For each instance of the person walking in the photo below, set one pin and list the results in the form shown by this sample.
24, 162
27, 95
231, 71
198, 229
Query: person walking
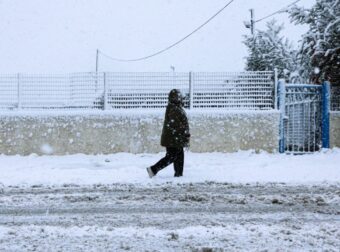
175, 136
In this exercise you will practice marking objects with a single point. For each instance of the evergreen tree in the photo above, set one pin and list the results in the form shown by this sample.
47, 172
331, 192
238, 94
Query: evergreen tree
268, 50
319, 55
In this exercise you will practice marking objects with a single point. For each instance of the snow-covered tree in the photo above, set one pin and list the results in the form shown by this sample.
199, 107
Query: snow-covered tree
319, 55
268, 49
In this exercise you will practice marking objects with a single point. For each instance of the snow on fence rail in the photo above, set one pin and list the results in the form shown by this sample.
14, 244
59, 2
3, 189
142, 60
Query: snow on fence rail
129, 90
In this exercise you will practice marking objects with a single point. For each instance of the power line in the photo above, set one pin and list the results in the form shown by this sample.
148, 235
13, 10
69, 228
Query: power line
172, 45
277, 12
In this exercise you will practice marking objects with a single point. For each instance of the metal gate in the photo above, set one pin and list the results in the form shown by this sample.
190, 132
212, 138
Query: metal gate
304, 124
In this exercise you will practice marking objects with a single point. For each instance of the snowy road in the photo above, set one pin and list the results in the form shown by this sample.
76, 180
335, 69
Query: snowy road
170, 217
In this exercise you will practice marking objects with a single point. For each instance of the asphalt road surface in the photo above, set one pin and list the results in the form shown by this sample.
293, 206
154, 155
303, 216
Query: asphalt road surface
170, 217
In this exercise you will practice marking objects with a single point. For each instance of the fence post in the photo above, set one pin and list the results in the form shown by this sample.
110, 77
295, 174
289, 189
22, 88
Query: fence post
191, 91
326, 104
105, 107
282, 98
275, 88
19, 91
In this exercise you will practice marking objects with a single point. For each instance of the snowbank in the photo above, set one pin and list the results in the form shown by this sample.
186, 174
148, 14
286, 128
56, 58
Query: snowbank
240, 167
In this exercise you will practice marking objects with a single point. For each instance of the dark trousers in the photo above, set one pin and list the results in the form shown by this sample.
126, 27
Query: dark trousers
173, 155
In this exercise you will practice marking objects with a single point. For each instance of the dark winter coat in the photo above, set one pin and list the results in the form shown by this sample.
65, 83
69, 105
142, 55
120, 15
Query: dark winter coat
175, 132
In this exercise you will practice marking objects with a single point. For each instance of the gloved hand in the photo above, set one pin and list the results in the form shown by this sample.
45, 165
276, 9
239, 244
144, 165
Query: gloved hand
187, 136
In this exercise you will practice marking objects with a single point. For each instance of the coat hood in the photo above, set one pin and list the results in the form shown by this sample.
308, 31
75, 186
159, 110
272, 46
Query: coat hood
175, 97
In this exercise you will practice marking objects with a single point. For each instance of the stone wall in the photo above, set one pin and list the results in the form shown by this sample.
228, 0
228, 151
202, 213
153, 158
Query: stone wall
335, 129
134, 132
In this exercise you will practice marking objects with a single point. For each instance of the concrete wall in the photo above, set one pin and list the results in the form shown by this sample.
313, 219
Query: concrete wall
133, 132
335, 129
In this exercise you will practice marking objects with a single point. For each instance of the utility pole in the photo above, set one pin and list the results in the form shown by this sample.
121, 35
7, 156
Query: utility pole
173, 76
97, 57
251, 24
252, 21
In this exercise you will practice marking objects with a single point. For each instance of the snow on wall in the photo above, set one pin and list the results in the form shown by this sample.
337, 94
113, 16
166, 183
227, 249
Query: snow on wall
134, 132
335, 129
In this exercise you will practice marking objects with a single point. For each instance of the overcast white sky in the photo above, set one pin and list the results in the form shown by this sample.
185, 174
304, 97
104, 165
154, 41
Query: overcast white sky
40, 36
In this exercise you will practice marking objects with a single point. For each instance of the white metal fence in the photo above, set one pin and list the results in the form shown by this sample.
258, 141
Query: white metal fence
335, 98
142, 90
50, 91
246, 90
114, 90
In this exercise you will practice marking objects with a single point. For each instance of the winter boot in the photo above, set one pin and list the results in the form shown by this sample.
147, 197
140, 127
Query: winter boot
150, 172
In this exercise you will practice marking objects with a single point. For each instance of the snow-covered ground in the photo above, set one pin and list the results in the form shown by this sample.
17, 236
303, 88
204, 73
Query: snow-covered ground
240, 167
225, 202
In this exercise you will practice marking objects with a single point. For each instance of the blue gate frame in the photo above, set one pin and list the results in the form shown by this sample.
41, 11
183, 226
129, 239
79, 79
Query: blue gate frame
294, 103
